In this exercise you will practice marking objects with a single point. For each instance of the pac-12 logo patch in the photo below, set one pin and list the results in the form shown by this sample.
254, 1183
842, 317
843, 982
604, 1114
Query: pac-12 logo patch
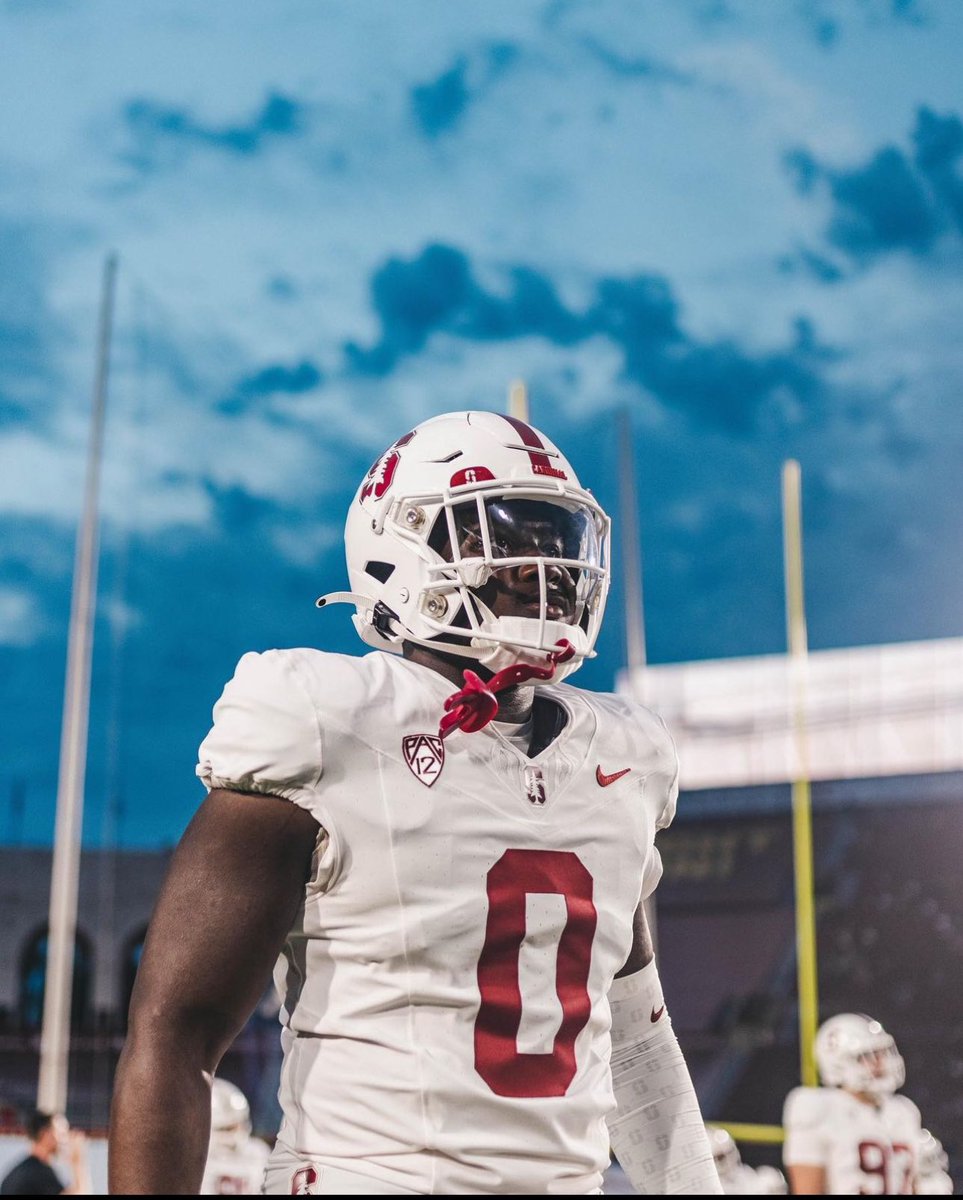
425, 754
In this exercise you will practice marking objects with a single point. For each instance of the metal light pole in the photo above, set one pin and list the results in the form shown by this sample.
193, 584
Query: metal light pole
62, 926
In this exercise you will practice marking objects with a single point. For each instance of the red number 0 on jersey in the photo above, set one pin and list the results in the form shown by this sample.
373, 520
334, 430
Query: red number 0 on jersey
497, 1060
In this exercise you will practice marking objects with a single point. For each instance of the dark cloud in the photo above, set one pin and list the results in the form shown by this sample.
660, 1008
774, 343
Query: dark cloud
157, 130
939, 145
413, 300
439, 104
896, 201
881, 206
718, 383
269, 381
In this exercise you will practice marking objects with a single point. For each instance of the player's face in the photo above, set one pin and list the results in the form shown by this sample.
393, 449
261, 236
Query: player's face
876, 1061
531, 529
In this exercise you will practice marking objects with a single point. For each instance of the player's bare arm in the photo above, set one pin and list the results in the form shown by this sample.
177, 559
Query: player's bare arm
642, 952
234, 888
807, 1180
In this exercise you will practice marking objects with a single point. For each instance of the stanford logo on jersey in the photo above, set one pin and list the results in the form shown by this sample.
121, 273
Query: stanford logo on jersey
425, 754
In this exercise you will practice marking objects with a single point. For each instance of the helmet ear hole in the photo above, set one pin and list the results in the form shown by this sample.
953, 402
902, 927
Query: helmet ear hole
382, 571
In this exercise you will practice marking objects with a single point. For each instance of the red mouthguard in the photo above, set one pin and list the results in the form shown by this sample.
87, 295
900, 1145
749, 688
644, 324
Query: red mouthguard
475, 704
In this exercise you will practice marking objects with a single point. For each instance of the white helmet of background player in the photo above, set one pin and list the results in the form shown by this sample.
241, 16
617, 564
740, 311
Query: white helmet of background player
725, 1152
440, 514
230, 1116
855, 1052
932, 1156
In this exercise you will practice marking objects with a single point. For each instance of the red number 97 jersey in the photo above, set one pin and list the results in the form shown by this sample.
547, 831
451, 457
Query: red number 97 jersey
865, 1149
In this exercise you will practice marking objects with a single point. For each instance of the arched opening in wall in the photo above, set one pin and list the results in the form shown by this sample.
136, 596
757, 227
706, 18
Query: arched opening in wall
33, 980
128, 970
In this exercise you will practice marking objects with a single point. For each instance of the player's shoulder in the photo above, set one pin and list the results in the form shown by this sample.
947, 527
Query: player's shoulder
905, 1109
629, 735
625, 723
808, 1107
329, 684
278, 667
277, 719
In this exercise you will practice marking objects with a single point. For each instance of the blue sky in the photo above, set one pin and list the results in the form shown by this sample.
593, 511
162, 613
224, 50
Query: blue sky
743, 220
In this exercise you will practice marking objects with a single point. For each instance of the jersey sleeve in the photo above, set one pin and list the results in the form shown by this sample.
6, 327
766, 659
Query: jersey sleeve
803, 1120
662, 791
266, 736
666, 779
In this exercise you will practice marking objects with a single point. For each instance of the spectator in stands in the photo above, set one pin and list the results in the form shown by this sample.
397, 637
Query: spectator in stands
49, 1134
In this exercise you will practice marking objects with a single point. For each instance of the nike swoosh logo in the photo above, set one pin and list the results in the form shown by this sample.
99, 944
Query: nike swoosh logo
654, 1016
604, 780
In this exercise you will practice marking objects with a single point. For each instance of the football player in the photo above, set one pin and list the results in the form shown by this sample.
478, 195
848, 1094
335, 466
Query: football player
450, 849
770, 1181
235, 1159
933, 1179
738, 1178
854, 1136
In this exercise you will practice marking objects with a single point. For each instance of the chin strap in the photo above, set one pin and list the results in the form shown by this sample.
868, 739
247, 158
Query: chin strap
475, 704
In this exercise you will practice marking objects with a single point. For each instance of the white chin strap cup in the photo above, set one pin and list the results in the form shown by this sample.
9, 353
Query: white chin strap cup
497, 655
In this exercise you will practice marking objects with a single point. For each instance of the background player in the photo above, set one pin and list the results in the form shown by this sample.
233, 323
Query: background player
854, 1136
933, 1178
467, 973
235, 1160
736, 1177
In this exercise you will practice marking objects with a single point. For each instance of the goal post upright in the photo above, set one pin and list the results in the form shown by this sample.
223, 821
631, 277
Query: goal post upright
808, 993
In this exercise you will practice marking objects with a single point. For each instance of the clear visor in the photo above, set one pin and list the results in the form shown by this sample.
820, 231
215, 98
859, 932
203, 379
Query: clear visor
549, 550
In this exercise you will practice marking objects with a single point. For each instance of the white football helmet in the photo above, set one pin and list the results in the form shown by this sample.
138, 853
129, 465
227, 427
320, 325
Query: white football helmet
230, 1116
725, 1152
932, 1156
855, 1052
451, 506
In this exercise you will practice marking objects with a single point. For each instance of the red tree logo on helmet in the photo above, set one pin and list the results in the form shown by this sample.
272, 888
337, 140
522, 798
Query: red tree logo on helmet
383, 470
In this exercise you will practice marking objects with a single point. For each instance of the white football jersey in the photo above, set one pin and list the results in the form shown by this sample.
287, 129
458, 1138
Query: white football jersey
237, 1171
445, 1012
864, 1149
935, 1183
